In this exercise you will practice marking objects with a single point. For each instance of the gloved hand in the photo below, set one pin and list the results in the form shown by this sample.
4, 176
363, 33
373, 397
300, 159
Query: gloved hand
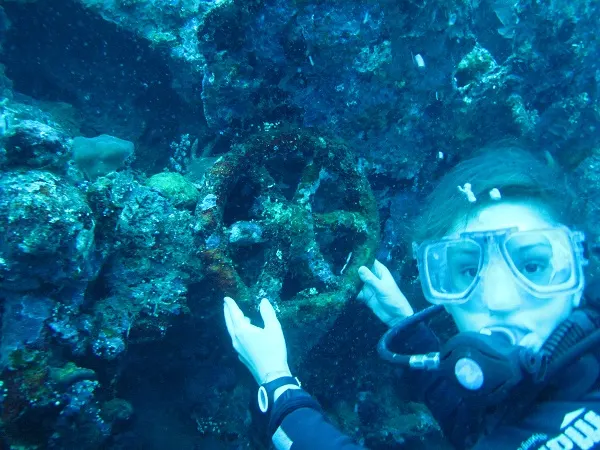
262, 350
381, 293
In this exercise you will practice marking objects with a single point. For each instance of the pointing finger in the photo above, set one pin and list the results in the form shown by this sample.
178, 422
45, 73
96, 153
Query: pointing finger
268, 314
236, 314
381, 270
228, 320
368, 277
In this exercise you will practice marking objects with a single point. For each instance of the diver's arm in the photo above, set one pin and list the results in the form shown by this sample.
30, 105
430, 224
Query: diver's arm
297, 422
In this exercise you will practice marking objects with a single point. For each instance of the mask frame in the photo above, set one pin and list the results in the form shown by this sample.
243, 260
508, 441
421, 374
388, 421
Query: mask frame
491, 246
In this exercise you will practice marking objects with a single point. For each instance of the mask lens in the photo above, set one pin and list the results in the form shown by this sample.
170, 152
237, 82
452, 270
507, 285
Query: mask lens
453, 267
542, 259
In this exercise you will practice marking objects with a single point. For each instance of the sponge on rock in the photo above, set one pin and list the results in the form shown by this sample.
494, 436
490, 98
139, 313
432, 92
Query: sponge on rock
100, 155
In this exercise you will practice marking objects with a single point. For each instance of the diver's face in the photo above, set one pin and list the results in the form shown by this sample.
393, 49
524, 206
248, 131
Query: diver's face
500, 303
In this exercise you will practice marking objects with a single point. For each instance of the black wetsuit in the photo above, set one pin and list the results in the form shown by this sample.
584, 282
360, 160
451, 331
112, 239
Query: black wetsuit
551, 425
566, 416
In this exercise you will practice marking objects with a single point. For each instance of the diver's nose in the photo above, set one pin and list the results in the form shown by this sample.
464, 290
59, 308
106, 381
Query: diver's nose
500, 293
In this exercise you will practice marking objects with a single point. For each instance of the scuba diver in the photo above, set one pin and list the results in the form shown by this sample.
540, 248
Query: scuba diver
500, 256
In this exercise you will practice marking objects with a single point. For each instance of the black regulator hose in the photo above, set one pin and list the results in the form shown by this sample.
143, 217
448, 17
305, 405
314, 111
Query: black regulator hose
572, 339
385, 342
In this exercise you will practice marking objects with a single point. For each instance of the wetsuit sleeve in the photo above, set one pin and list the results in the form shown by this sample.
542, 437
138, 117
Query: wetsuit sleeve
298, 423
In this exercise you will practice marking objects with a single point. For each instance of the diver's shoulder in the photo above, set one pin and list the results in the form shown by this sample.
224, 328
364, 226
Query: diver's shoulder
576, 424
559, 414
593, 396
551, 425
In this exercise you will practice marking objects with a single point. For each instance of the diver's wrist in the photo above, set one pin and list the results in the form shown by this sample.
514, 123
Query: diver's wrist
282, 389
269, 392
270, 376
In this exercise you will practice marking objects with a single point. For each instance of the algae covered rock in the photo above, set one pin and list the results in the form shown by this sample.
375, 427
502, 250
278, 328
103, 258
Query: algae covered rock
176, 188
474, 67
48, 232
34, 144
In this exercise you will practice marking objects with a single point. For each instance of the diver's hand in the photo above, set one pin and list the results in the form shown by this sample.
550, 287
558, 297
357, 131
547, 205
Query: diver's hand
381, 293
262, 350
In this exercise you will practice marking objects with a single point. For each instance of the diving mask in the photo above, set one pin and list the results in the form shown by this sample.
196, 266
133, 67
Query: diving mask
543, 262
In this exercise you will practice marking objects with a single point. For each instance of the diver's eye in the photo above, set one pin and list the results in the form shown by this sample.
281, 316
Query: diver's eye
469, 272
532, 268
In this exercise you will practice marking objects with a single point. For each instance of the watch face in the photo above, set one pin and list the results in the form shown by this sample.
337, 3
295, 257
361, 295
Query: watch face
263, 399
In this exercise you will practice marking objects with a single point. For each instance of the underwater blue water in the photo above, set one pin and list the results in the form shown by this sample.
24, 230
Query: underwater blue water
157, 156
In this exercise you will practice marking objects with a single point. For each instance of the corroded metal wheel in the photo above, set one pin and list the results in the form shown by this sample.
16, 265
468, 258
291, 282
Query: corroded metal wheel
289, 216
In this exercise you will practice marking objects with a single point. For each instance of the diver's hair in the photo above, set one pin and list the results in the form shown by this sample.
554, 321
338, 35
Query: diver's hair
511, 168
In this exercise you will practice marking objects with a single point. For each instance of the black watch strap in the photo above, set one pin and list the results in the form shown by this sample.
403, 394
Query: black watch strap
266, 392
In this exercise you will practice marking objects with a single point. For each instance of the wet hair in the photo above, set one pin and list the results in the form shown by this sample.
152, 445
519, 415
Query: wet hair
507, 166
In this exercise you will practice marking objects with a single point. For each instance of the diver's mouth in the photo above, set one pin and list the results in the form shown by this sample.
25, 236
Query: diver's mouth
514, 334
